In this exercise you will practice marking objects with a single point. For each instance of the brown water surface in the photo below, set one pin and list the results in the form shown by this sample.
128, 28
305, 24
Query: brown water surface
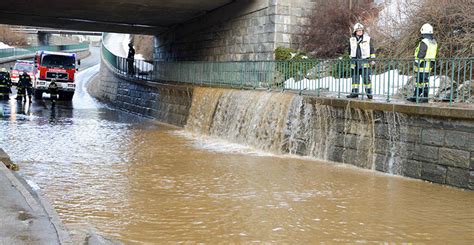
139, 182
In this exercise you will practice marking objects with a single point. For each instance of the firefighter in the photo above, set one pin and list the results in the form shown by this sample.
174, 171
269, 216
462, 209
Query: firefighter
131, 59
21, 86
5, 84
361, 51
29, 87
53, 91
425, 55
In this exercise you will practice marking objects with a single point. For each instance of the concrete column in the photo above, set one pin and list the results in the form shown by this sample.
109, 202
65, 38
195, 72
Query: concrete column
43, 38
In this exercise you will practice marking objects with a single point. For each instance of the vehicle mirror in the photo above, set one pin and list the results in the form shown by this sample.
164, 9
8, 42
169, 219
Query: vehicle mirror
78, 62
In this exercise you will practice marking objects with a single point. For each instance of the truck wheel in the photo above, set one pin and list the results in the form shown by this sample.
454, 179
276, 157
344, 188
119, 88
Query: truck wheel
38, 94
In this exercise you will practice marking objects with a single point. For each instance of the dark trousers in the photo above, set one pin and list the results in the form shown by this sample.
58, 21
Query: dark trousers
421, 86
130, 66
4, 92
20, 94
356, 73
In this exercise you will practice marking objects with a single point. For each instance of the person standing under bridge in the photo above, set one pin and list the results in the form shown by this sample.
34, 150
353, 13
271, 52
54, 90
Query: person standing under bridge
425, 55
53, 91
361, 51
131, 59
22, 86
5, 84
29, 87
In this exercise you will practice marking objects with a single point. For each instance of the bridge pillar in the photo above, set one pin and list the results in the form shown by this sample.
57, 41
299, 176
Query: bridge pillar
43, 38
242, 30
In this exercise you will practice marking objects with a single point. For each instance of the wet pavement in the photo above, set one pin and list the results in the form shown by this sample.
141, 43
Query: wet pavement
25, 217
138, 181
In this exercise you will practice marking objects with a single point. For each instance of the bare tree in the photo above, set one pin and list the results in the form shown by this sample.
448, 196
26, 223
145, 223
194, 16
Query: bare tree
453, 22
9, 37
331, 25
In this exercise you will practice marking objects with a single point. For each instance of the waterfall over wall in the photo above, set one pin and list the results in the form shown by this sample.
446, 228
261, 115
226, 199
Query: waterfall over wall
284, 123
367, 135
248, 117
424, 142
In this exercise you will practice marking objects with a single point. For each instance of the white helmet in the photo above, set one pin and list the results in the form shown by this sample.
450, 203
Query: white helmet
426, 29
358, 26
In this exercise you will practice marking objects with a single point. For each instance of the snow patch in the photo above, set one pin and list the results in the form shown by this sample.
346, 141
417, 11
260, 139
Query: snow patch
4, 46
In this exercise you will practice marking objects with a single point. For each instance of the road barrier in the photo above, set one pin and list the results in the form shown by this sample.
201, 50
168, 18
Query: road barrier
29, 50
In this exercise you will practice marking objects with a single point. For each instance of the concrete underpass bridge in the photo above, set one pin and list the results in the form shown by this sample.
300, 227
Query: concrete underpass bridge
141, 16
184, 30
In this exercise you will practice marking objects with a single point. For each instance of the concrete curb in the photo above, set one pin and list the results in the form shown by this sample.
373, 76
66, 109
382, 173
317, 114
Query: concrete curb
40, 204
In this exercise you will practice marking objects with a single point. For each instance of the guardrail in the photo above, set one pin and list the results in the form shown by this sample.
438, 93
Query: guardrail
21, 51
450, 80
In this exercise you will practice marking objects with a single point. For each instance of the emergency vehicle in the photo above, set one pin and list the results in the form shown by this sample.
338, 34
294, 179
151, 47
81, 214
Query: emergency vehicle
55, 65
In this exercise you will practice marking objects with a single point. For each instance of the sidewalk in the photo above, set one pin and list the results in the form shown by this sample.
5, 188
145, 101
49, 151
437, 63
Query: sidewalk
25, 217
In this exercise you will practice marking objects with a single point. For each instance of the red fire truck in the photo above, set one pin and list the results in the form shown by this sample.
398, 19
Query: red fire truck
55, 65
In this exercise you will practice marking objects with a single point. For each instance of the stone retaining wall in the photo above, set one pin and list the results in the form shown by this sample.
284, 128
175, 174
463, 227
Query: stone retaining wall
417, 143
423, 142
167, 103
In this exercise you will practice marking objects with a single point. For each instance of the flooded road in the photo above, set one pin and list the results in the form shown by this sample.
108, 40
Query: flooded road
137, 181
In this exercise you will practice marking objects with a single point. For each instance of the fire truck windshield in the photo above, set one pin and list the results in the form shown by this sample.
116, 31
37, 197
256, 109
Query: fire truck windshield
58, 61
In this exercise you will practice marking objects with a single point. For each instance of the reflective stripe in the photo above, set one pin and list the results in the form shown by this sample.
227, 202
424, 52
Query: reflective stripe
364, 65
368, 85
422, 84
355, 85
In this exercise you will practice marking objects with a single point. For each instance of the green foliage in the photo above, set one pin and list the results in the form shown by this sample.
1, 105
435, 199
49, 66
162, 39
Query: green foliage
292, 63
289, 54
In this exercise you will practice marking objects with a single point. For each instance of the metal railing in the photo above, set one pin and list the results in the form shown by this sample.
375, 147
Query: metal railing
21, 51
450, 80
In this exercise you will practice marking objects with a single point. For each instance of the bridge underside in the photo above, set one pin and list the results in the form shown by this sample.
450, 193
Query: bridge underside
124, 16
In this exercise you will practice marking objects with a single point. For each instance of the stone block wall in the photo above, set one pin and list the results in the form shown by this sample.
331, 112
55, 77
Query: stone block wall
436, 149
243, 30
165, 102
290, 18
422, 142
428, 146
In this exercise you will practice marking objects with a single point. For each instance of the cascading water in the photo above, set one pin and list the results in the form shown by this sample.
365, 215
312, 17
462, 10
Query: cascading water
359, 137
285, 123
396, 124
247, 117
311, 129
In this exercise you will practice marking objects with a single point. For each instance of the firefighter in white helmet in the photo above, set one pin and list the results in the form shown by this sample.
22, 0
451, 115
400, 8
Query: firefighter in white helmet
361, 50
425, 55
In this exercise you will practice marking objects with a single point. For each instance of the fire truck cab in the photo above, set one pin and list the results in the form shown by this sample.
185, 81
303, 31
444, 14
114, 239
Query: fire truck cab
55, 65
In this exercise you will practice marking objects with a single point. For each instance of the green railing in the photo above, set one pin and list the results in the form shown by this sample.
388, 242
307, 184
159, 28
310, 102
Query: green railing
450, 80
20, 51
